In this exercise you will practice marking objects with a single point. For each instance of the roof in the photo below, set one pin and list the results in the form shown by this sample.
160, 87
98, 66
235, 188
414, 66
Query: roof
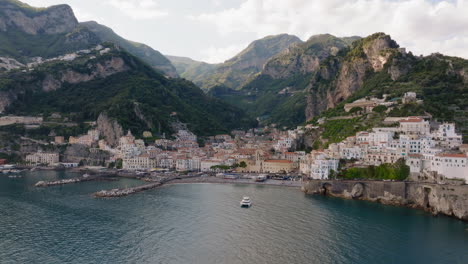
412, 120
452, 155
279, 161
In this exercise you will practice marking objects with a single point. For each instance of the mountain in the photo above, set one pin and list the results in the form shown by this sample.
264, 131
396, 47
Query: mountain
236, 71
110, 82
153, 57
195, 71
56, 31
27, 32
277, 94
321, 75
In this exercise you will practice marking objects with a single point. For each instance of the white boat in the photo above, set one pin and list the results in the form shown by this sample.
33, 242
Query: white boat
246, 202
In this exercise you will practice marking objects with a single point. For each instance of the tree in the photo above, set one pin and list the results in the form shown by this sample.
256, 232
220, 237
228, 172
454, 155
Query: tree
355, 110
380, 109
118, 164
242, 164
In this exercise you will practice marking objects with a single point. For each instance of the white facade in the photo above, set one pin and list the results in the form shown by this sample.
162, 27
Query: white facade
452, 166
447, 136
322, 166
206, 165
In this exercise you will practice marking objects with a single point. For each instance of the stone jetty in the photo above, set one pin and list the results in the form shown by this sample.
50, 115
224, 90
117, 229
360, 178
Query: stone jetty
84, 178
126, 191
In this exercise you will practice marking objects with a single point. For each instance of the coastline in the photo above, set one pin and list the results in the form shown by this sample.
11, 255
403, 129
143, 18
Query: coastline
215, 180
449, 200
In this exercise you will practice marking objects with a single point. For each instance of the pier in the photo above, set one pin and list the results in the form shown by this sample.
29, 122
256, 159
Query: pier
126, 191
84, 178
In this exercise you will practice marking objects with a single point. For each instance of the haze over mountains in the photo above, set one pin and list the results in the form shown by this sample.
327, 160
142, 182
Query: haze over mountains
277, 79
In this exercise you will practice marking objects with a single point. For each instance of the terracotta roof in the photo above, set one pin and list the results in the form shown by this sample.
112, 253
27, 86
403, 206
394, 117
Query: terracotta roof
279, 161
412, 120
450, 155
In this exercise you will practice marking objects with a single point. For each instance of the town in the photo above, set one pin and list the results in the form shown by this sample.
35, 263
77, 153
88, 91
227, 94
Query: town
433, 151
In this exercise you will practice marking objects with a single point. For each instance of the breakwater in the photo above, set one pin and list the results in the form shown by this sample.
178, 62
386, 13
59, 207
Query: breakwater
74, 180
451, 200
126, 191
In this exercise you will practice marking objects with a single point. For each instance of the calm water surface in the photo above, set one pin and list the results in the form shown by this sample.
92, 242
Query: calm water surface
203, 223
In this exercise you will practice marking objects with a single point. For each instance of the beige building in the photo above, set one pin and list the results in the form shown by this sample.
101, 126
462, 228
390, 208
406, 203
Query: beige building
141, 162
43, 158
59, 140
414, 126
277, 166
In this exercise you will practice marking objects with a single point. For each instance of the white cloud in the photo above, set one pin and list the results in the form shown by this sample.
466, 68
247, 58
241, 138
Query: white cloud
139, 9
423, 26
218, 55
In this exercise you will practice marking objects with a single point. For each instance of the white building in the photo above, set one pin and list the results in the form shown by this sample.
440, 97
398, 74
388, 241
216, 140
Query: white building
322, 166
447, 136
452, 166
206, 165
185, 135
351, 153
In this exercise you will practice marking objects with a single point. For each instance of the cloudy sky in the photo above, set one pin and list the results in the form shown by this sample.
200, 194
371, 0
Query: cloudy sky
215, 30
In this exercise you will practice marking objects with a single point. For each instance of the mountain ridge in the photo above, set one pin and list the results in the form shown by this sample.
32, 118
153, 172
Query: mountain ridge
56, 31
236, 71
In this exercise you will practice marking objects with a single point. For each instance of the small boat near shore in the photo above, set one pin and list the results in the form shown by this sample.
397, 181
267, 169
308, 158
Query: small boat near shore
246, 202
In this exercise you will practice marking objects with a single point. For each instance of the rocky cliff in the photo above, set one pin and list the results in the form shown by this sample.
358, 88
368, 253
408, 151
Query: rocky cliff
303, 58
110, 129
451, 200
153, 57
101, 69
52, 76
346, 73
56, 31
15, 15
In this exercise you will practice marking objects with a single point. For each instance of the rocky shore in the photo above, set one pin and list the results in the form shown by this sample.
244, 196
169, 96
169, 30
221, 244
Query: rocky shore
450, 200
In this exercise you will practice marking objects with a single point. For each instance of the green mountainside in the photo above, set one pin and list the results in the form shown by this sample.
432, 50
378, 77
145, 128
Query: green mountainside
124, 88
195, 71
278, 94
236, 71
152, 57
55, 31
290, 93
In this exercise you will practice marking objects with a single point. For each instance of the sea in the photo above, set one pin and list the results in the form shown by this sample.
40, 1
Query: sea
203, 223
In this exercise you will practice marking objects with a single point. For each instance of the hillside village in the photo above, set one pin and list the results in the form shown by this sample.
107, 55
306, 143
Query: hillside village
433, 152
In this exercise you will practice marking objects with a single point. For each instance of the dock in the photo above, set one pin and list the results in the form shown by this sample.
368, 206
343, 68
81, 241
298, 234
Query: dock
84, 178
126, 191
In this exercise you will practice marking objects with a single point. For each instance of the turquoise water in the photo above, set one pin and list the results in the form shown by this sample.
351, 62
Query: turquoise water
203, 223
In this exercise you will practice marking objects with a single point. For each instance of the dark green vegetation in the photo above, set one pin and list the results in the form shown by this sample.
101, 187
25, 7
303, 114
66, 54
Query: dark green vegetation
272, 105
195, 71
17, 44
138, 98
397, 171
10, 158
46, 132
